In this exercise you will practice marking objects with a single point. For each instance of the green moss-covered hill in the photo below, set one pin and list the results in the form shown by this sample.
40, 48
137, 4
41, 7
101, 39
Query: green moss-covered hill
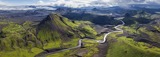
140, 39
29, 38
56, 27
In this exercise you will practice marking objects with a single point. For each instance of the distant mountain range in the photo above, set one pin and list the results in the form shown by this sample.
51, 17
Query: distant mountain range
39, 12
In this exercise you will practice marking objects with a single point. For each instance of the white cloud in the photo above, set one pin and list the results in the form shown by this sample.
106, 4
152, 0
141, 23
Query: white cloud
86, 3
40, 2
2, 3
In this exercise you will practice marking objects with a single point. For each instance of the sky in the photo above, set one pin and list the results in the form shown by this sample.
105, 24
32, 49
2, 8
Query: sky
78, 3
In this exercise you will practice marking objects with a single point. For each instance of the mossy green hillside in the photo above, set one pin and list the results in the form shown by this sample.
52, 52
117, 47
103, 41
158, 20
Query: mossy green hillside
56, 27
28, 39
127, 47
16, 40
63, 32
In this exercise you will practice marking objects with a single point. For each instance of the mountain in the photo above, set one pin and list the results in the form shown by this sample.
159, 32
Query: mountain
148, 33
55, 26
53, 32
149, 6
37, 31
39, 12
140, 38
94, 18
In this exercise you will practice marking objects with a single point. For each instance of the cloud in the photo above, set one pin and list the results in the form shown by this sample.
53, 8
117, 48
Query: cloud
40, 2
90, 3
2, 3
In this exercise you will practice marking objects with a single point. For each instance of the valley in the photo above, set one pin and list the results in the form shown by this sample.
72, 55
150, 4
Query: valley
80, 43
50, 31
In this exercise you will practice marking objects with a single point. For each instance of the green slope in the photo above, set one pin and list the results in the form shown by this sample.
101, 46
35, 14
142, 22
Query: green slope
136, 41
127, 47
28, 39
